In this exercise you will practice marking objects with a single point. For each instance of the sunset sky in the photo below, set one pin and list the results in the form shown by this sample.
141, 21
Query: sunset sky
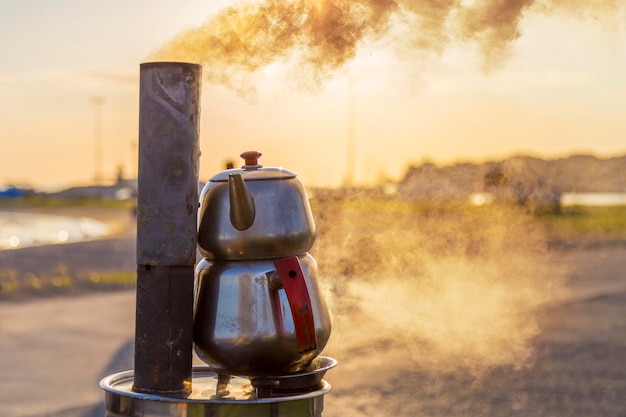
559, 88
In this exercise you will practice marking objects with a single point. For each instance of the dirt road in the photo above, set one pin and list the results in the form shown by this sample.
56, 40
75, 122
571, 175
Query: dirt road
577, 367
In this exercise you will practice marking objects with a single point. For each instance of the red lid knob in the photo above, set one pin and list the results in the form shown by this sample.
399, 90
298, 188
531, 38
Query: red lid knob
251, 157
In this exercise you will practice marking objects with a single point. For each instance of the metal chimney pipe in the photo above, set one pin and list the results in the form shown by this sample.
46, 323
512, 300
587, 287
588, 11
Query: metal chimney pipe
167, 205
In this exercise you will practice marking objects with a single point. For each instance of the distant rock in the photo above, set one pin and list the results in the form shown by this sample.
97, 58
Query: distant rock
524, 179
120, 190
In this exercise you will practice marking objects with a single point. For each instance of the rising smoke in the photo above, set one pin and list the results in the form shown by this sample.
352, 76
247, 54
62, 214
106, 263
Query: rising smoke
319, 37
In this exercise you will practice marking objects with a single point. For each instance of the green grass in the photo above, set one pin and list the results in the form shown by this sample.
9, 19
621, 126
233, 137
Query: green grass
571, 224
122, 278
60, 281
41, 201
599, 223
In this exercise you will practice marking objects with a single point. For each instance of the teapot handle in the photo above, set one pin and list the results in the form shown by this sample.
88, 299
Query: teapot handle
292, 278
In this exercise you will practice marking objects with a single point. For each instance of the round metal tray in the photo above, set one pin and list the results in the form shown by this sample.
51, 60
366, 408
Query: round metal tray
308, 380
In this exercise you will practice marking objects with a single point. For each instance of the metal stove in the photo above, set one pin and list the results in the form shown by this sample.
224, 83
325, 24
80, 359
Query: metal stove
251, 307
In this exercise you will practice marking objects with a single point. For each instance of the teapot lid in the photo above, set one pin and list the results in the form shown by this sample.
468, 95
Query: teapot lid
252, 170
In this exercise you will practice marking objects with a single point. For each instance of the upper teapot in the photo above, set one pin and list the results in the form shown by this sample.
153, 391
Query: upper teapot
254, 212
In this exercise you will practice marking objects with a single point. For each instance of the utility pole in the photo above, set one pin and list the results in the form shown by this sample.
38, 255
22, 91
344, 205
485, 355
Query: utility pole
97, 102
134, 149
351, 137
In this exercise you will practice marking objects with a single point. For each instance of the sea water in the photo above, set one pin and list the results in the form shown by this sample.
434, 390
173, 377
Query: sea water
19, 230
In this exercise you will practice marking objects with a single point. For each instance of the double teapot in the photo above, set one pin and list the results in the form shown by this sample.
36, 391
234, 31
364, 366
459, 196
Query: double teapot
258, 310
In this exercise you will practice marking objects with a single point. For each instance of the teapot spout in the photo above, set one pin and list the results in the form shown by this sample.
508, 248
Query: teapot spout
242, 211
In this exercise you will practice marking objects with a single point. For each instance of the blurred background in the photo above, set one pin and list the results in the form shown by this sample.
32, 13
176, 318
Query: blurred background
344, 95
464, 160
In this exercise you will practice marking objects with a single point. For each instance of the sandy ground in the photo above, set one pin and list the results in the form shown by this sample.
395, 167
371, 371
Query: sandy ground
53, 351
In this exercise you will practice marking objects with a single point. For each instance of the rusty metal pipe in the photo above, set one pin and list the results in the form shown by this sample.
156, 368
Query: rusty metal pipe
167, 205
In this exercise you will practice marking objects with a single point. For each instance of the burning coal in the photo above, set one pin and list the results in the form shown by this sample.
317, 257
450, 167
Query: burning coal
446, 286
319, 37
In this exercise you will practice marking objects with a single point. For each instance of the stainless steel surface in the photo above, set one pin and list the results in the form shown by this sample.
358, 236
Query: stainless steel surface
283, 223
242, 210
167, 209
244, 326
241, 400
310, 378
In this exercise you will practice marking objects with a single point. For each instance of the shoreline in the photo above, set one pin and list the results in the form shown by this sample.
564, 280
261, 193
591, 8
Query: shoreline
121, 221
101, 264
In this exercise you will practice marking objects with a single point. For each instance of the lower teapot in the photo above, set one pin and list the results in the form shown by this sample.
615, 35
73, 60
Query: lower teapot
259, 317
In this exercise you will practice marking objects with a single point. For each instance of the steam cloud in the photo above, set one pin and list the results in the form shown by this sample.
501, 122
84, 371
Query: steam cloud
319, 37
458, 292
445, 288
